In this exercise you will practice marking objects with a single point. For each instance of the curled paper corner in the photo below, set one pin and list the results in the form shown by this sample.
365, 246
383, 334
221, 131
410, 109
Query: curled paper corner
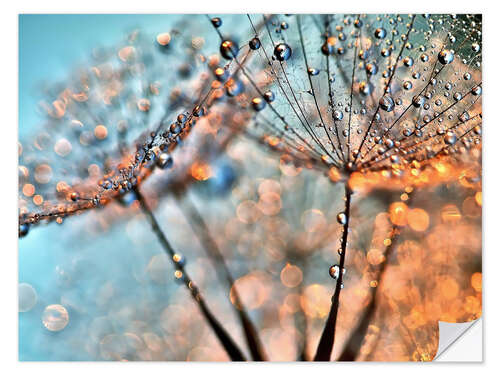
460, 342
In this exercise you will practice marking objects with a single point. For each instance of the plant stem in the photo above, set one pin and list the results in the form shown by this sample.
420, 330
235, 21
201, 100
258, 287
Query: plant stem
202, 231
227, 342
353, 345
325, 346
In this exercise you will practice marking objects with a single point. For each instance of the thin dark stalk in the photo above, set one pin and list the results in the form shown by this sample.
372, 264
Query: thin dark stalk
227, 342
202, 231
301, 320
325, 346
353, 346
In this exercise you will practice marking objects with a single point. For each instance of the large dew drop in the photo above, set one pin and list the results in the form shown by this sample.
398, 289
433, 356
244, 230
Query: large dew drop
445, 57
342, 218
282, 52
229, 49
386, 103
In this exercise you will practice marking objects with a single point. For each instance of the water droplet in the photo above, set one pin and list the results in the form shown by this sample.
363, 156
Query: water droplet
446, 56
164, 161
221, 74
175, 128
198, 111
371, 69
334, 271
342, 218
217, 22
27, 297
55, 318
385, 52
254, 44
380, 33
23, 230
234, 87
450, 138
365, 88
229, 49
179, 259
313, 71
269, 96
282, 52
418, 101
386, 103
408, 61
464, 116
327, 49
258, 104
407, 85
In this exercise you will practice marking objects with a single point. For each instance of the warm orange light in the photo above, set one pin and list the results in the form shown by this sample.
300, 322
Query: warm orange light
201, 171
163, 39
479, 198
398, 212
449, 288
476, 281
28, 190
418, 219
100, 132
450, 213
291, 276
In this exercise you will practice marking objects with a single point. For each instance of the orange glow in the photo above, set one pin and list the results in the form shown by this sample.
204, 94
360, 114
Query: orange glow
62, 186
449, 288
476, 281
418, 219
163, 39
479, 198
316, 301
253, 289
28, 190
38, 200
201, 171
291, 276
398, 212
450, 214
375, 257
334, 174
100, 132
58, 109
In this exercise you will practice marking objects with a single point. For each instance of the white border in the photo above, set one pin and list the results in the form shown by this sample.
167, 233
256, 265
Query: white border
8, 139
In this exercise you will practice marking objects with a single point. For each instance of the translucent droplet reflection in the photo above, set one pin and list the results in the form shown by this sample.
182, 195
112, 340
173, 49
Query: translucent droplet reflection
27, 297
55, 318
